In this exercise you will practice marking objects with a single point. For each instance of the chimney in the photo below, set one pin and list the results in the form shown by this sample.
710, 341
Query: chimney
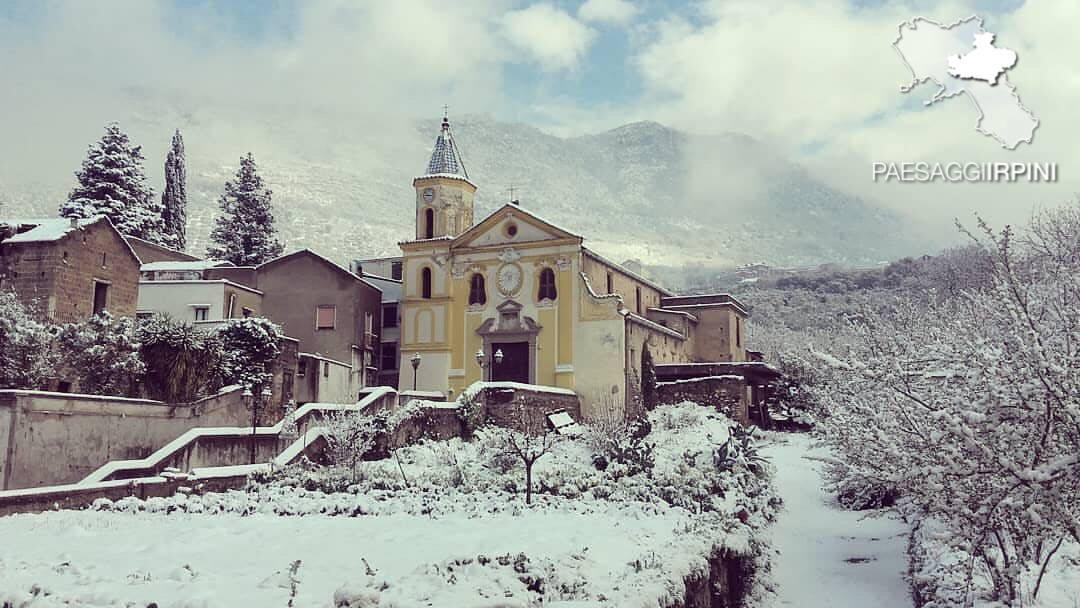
515, 202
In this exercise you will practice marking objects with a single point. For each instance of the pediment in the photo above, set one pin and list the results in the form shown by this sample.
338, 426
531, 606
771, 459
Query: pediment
509, 226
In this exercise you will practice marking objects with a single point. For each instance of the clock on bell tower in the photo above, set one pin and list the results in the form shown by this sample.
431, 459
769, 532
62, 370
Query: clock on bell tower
444, 195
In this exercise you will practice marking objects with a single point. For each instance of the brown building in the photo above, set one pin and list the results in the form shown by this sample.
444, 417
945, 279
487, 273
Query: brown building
335, 314
68, 270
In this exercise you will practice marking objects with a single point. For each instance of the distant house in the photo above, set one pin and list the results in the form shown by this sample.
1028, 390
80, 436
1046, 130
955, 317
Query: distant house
152, 252
67, 270
196, 292
390, 336
336, 314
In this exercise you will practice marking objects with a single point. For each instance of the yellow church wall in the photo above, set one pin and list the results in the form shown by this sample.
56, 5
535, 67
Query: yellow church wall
623, 282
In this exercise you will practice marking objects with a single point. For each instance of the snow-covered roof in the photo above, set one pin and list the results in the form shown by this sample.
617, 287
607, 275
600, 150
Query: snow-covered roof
45, 229
322, 259
192, 265
391, 288
445, 158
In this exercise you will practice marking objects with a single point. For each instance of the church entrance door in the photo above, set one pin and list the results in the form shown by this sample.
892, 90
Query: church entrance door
515, 364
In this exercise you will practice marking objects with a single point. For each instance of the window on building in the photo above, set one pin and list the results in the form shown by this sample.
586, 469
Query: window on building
247, 312
369, 328
547, 285
477, 293
425, 283
389, 315
395, 271
610, 286
202, 313
103, 259
325, 316
101, 297
738, 332
326, 369
301, 368
388, 356
429, 223
637, 297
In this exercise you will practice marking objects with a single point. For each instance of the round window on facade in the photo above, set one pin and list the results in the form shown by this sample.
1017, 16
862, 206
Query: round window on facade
511, 229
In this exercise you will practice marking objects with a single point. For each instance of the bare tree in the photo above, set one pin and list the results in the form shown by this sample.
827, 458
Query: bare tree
529, 440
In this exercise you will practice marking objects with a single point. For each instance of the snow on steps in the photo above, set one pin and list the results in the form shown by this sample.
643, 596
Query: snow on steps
162, 481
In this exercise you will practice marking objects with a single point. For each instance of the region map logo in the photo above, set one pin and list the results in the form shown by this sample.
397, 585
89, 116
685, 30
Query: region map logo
977, 68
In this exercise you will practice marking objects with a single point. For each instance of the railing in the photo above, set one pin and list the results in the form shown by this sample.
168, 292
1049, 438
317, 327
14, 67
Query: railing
161, 459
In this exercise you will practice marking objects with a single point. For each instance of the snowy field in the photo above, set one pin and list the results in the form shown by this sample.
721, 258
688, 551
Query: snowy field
457, 534
829, 557
190, 560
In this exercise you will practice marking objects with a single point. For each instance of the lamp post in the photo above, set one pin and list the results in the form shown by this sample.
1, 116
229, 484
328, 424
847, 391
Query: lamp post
485, 363
253, 401
415, 360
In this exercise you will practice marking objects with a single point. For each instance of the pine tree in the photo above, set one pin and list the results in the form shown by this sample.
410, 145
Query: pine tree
174, 198
244, 233
112, 183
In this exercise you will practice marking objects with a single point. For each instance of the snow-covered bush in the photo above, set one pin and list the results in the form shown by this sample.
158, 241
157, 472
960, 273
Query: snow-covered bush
182, 362
251, 347
622, 443
351, 435
26, 357
969, 407
470, 412
103, 353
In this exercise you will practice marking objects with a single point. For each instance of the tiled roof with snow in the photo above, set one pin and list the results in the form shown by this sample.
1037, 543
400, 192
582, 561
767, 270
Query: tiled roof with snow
44, 230
184, 265
445, 158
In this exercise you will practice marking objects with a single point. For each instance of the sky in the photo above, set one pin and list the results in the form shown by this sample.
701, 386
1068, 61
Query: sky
817, 80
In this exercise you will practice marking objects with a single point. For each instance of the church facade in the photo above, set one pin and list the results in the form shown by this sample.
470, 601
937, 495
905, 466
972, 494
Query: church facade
512, 297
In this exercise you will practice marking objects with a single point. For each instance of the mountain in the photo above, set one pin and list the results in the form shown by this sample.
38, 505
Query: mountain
343, 185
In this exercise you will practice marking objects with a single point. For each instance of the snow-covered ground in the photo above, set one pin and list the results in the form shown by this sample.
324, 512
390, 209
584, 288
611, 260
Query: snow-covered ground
228, 560
458, 534
827, 556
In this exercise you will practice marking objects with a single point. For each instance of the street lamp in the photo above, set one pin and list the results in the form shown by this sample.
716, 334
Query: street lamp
250, 400
485, 364
415, 360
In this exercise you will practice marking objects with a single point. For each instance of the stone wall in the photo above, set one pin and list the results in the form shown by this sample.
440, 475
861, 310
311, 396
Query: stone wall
728, 394
501, 401
57, 438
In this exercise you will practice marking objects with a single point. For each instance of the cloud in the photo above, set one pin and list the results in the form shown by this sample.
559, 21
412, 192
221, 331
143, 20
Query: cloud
550, 36
825, 78
618, 12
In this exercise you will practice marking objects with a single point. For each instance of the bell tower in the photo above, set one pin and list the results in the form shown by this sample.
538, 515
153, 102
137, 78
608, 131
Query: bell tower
444, 195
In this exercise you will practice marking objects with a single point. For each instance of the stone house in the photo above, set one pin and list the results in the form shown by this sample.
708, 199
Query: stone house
67, 270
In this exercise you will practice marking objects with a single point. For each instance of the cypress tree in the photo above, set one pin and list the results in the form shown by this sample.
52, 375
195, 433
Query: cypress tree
244, 233
112, 183
648, 379
174, 197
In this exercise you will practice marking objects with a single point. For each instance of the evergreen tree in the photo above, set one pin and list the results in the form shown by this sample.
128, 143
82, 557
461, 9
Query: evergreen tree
174, 198
648, 379
112, 183
244, 233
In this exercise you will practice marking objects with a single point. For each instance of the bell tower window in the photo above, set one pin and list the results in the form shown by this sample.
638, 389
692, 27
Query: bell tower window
429, 223
425, 283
